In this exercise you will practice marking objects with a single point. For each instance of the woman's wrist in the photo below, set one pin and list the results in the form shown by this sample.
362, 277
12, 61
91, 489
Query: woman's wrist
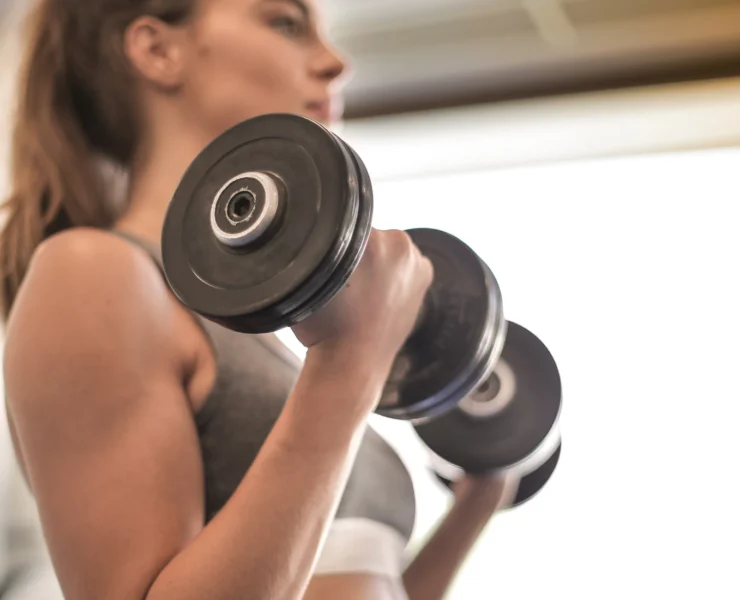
337, 390
361, 361
485, 495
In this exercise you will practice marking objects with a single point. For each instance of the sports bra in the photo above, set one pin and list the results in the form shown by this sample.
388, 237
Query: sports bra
255, 374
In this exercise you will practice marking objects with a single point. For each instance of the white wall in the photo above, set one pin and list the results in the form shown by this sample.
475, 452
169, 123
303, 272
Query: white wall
627, 268
665, 118
610, 223
8, 54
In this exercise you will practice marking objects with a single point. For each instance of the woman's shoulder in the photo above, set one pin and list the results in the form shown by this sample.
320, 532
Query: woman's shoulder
94, 259
91, 250
90, 277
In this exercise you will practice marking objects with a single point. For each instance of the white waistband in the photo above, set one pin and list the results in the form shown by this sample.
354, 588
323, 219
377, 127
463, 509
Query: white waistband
362, 546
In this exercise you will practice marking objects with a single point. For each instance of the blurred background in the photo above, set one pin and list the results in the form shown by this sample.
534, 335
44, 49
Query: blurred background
589, 151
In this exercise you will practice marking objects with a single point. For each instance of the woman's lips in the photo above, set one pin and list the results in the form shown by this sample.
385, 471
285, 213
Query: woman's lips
321, 109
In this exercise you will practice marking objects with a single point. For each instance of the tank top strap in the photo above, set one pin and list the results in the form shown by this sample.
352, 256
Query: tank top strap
151, 249
206, 327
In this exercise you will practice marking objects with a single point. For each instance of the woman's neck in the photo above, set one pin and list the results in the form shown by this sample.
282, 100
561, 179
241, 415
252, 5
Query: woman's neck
153, 179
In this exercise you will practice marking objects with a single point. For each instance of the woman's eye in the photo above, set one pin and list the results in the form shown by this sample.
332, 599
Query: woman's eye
288, 25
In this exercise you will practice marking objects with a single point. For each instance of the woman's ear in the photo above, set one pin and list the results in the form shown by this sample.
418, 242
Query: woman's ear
156, 52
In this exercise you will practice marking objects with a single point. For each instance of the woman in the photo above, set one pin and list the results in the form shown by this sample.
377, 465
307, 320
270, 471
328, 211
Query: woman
171, 458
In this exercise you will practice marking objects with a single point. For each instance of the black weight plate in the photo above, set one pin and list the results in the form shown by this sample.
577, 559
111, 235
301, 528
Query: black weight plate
448, 354
482, 445
531, 484
483, 362
357, 242
255, 289
334, 272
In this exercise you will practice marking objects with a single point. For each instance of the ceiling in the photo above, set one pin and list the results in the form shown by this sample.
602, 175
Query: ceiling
410, 55
416, 54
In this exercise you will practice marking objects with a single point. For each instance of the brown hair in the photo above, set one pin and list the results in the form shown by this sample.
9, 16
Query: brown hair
74, 106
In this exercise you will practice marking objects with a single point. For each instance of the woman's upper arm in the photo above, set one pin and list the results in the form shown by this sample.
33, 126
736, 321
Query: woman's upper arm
104, 429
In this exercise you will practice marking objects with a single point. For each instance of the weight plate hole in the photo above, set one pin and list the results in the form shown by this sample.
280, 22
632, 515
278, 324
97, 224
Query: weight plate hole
490, 388
240, 206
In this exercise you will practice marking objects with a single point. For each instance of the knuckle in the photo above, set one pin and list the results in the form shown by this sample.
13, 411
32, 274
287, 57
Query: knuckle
374, 243
404, 243
428, 269
399, 236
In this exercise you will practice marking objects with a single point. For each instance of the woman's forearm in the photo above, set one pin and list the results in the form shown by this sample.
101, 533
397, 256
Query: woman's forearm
264, 542
432, 571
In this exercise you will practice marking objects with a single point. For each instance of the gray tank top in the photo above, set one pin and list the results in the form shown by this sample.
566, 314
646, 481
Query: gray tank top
255, 375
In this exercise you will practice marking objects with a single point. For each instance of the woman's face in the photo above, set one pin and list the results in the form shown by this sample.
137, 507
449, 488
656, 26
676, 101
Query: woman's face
250, 57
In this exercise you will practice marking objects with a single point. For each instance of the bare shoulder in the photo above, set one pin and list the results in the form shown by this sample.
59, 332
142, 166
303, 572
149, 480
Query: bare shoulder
90, 290
91, 265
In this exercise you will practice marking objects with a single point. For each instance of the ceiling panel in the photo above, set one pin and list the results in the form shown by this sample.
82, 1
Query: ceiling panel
416, 54
583, 12
419, 54
434, 35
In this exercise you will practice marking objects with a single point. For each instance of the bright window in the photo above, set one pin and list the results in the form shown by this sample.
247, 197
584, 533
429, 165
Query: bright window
627, 269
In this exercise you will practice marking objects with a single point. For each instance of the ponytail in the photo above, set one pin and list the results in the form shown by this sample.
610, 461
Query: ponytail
53, 180
74, 116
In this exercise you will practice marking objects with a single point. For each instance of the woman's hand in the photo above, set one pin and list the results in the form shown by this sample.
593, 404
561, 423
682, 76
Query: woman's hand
477, 499
377, 309
495, 491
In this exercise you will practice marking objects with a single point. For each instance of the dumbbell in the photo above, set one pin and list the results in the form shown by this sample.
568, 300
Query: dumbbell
508, 426
266, 227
